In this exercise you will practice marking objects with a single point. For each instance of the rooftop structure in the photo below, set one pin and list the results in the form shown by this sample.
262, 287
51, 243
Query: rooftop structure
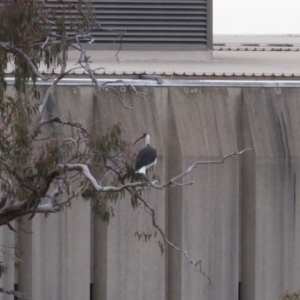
244, 57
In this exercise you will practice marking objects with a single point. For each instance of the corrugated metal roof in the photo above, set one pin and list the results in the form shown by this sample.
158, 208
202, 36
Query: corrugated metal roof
237, 60
180, 73
258, 47
256, 43
197, 74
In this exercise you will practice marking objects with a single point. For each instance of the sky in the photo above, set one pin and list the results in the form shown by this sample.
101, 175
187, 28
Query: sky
256, 17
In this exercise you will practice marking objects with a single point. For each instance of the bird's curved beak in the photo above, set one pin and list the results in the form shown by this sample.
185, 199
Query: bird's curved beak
139, 139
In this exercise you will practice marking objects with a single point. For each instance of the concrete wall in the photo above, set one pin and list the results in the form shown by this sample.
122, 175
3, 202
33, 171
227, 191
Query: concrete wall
241, 219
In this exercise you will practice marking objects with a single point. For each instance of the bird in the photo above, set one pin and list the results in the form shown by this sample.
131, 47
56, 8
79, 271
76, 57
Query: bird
146, 157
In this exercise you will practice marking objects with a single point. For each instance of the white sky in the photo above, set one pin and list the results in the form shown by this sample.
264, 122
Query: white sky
256, 16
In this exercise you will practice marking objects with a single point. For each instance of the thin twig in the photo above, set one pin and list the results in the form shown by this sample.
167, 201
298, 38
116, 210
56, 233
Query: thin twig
45, 42
166, 240
201, 162
119, 97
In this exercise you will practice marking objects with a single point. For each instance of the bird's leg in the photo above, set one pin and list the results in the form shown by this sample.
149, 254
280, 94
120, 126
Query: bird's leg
149, 173
147, 178
151, 169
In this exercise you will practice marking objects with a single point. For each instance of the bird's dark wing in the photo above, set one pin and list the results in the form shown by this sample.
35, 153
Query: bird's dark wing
145, 157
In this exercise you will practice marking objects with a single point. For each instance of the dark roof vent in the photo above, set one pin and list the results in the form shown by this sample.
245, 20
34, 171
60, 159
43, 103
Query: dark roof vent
151, 24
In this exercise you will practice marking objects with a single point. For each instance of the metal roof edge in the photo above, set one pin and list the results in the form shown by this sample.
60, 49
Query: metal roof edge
170, 83
208, 74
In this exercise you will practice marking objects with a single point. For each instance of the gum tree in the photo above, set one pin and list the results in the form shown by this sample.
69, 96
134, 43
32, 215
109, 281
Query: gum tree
42, 168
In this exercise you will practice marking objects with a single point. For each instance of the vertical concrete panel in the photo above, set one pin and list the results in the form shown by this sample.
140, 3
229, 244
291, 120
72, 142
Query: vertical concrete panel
274, 125
131, 269
174, 206
99, 261
247, 211
78, 251
60, 262
58, 251
25, 271
295, 261
210, 207
288, 109
135, 268
7, 256
78, 226
49, 266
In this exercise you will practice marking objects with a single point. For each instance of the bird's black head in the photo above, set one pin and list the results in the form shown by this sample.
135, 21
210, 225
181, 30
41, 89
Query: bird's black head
143, 136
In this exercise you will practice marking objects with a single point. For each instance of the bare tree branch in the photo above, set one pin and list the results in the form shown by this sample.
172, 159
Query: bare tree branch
43, 46
42, 122
197, 263
201, 162
52, 87
85, 169
14, 293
